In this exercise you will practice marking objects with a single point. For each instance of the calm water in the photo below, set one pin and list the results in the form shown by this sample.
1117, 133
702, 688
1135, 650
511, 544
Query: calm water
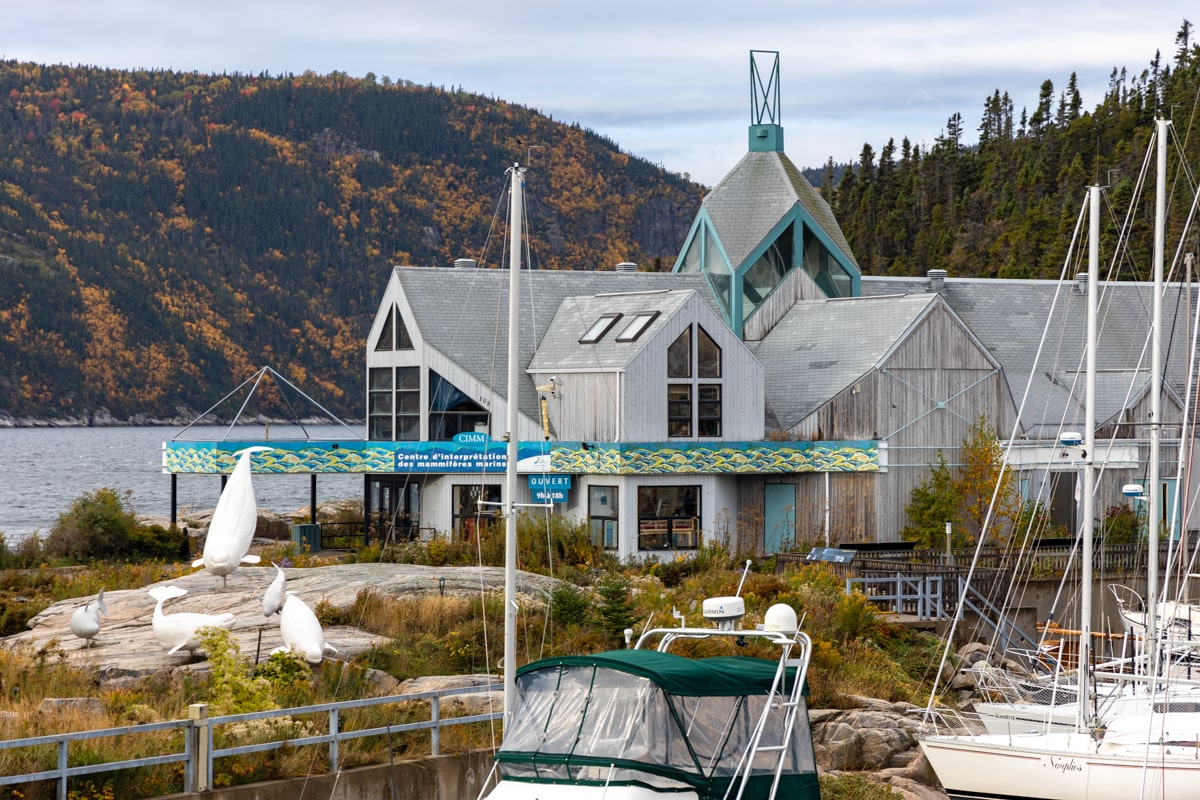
43, 470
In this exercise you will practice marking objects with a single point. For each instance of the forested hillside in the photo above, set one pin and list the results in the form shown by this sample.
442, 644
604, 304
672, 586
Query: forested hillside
1007, 206
162, 235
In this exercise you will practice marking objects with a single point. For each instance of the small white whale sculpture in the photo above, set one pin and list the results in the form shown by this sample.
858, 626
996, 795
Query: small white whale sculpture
231, 531
276, 592
85, 622
301, 631
178, 631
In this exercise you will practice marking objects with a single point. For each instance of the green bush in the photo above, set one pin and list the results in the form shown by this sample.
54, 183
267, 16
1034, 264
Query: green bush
98, 525
1123, 525
102, 526
616, 609
569, 605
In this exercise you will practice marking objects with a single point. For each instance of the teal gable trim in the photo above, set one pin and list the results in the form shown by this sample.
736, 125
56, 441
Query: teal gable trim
853, 271
696, 237
756, 253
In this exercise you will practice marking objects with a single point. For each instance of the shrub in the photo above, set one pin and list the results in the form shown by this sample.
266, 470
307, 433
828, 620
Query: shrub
97, 525
1123, 525
233, 689
569, 605
616, 610
102, 525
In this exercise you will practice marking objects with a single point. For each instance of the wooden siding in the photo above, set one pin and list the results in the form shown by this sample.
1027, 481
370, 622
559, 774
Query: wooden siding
921, 401
585, 405
796, 287
644, 406
439, 362
851, 507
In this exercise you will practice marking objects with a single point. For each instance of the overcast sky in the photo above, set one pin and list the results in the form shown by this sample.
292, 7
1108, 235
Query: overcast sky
667, 80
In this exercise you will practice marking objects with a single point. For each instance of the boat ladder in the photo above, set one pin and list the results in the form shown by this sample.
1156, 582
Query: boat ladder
780, 699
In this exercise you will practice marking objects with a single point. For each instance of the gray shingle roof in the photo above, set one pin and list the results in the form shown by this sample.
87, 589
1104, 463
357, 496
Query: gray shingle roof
756, 194
1010, 316
561, 348
464, 312
820, 348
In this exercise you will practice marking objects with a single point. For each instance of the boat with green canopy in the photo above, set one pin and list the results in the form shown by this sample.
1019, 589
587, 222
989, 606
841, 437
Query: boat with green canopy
644, 724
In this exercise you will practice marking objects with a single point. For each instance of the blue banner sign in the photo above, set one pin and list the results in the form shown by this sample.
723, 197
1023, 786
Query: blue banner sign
549, 488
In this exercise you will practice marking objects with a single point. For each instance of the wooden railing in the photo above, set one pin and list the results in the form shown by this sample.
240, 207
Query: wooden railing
1046, 560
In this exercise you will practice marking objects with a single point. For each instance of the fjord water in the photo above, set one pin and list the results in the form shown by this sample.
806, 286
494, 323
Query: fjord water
44, 470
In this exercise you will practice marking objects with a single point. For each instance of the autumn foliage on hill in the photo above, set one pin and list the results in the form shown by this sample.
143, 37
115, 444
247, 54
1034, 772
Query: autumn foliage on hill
163, 235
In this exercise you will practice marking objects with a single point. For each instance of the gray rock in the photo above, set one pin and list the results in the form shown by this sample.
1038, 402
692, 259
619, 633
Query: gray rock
127, 647
74, 705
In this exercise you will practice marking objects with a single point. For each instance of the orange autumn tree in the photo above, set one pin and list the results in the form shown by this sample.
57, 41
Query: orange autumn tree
961, 494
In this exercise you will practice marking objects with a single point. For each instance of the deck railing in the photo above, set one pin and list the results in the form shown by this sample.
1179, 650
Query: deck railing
199, 753
927, 583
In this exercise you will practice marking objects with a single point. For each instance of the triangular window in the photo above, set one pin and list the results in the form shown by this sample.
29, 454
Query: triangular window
394, 335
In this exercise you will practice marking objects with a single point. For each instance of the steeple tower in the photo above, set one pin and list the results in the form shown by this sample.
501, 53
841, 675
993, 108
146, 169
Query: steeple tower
764, 237
766, 132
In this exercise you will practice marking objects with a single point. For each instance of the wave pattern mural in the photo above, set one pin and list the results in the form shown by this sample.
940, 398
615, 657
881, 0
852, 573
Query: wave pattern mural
638, 458
723, 458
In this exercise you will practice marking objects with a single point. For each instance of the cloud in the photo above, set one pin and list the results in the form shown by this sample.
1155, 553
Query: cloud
667, 80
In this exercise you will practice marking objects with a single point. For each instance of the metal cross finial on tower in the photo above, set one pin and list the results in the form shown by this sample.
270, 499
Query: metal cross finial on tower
766, 132
764, 95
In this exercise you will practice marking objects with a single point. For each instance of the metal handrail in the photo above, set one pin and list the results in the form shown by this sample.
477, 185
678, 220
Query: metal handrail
199, 754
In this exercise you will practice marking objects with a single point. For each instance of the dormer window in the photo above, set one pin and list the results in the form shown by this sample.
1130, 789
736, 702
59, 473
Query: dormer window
599, 328
637, 326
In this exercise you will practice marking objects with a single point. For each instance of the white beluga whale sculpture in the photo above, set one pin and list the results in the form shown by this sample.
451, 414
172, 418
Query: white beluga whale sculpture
276, 593
85, 622
231, 531
301, 631
178, 631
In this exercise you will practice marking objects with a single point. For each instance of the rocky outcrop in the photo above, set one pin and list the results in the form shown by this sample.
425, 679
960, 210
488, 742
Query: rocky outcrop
878, 739
126, 647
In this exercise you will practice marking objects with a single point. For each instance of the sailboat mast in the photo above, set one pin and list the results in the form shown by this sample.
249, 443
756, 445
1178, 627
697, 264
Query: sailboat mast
1153, 513
515, 208
1087, 510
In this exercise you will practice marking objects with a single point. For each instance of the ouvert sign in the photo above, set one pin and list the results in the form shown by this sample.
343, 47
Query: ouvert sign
549, 488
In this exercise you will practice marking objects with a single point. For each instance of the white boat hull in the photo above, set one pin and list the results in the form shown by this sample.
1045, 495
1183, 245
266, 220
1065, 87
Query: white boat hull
1060, 766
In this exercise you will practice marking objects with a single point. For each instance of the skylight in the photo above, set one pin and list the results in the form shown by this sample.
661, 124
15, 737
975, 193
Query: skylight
637, 326
599, 328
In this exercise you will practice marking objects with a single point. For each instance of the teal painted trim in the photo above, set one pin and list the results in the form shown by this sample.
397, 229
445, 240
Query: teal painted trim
580, 458
696, 227
766, 139
769, 239
854, 272
703, 223
772, 235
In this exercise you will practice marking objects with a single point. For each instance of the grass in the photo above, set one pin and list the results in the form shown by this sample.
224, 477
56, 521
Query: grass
854, 653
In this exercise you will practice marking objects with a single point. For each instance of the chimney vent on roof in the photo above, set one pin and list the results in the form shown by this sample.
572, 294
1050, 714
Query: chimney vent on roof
627, 266
465, 263
937, 280
1081, 282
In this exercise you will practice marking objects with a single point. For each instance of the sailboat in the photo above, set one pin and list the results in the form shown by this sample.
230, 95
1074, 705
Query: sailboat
644, 722
1142, 749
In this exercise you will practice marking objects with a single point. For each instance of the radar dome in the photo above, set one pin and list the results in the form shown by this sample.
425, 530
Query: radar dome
780, 617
